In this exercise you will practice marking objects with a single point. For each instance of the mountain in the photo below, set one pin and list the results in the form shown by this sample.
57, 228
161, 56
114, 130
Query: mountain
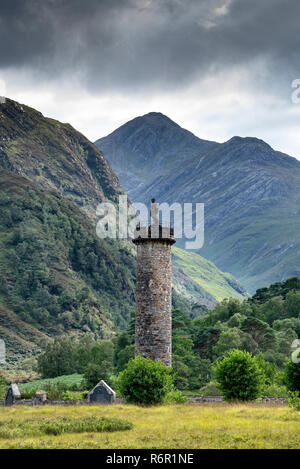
55, 156
250, 191
56, 276
147, 149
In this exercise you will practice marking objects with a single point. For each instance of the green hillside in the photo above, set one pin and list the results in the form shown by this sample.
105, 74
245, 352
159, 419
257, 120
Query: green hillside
205, 274
55, 274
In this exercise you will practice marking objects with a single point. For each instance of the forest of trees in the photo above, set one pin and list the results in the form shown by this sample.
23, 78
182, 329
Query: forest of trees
265, 326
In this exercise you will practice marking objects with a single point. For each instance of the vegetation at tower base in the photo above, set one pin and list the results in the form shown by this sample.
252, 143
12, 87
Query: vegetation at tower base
145, 381
239, 376
263, 327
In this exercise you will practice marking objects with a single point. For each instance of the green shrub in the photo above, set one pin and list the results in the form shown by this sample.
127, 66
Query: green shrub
56, 390
294, 400
175, 397
238, 376
28, 394
210, 389
74, 395
84, 424
292, 376
3, 386
274, 390
145, 381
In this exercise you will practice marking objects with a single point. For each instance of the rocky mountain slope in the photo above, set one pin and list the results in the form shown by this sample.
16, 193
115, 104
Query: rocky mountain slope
55, 156
251, 193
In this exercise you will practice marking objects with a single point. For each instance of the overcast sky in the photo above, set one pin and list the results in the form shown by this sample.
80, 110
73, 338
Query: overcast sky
217, 67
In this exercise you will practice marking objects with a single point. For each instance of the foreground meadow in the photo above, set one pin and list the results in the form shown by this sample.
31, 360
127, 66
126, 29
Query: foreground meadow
175, 426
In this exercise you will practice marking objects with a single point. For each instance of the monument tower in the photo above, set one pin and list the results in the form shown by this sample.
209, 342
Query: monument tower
153, 320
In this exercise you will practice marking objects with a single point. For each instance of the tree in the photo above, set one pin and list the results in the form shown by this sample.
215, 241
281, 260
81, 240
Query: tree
124, 356
229, 339
58, 359
239, 376
181, 373
292, 375
96, 372
3, 386
145, 381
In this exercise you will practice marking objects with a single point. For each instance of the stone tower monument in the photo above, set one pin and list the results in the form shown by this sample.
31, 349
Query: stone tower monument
153, 320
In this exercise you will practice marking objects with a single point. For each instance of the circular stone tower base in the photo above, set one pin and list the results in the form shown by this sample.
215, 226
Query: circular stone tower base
153, 320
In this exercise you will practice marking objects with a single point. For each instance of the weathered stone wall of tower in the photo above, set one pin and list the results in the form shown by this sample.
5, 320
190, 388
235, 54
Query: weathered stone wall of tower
153, 330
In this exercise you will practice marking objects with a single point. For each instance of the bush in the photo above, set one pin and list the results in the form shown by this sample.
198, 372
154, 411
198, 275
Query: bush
294, 400
58, 359
292, 376
56, 390
28, 394
210, 389
74, 395
274, 390
175, 397
145, 381
238, 376
85, 424
3, 386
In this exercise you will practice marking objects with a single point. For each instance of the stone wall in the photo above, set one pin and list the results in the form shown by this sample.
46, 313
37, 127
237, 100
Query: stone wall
197, 399
153, 333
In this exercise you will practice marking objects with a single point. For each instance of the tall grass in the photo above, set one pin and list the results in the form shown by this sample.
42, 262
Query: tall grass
255, 425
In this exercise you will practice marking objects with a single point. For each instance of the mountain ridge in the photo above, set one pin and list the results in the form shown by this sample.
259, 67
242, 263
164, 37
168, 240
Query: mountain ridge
55, 155
246, 186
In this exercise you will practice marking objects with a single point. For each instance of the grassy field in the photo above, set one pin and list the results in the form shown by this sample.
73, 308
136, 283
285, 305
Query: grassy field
175, 426
39, 384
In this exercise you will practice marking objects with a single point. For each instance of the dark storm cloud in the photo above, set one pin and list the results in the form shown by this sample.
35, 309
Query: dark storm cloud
140, 43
